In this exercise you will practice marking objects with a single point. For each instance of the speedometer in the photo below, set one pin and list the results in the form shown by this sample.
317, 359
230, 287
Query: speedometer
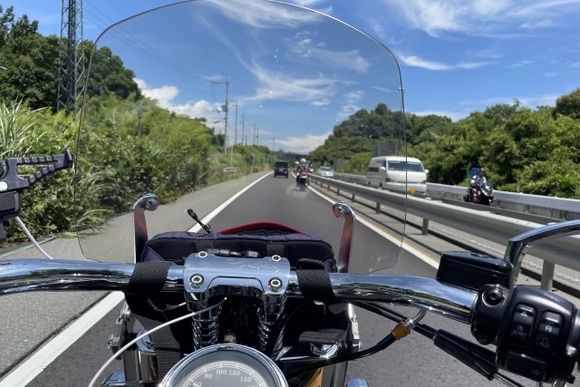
225, 365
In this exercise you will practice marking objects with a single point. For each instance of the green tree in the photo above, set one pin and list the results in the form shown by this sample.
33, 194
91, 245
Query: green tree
569, 105
357, 164
29, 62
108, 74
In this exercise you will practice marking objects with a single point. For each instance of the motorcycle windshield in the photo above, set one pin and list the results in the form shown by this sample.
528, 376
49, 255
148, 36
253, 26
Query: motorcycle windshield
177, 95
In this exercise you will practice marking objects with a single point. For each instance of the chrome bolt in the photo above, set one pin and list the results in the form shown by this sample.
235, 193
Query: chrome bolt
275, 284
196, 281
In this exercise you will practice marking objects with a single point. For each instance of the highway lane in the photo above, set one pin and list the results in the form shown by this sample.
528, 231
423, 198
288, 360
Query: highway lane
30, 319
414, 360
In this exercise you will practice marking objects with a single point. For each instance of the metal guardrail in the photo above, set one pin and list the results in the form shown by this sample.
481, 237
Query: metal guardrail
551, 207
493, 227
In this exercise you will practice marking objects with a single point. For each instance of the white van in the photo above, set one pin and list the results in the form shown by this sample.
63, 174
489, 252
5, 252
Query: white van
391, 172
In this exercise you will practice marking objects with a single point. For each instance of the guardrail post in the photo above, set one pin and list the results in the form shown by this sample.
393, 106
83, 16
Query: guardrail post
547, 275
338, 192
425, 227
378, 208
352, 198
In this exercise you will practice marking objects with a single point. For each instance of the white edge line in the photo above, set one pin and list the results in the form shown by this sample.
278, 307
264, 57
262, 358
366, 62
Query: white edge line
35, 364
220, 208
422, 256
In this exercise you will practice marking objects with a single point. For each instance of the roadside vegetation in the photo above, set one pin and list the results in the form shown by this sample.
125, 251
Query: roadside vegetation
523, 150
127, 146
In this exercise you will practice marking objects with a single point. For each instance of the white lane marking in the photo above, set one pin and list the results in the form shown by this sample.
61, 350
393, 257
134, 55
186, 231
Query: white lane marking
422, 256
42, 358
221, 207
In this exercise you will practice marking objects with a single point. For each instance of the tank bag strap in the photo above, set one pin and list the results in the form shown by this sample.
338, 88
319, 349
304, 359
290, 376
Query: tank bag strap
147, 280
315, 285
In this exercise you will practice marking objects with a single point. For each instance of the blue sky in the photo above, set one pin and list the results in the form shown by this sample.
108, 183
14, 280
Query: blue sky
457, 56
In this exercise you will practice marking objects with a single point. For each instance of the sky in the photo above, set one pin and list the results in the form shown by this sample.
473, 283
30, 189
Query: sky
456, 56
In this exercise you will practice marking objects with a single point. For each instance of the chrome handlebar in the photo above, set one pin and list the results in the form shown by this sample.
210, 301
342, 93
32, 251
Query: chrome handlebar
26, 275
493, 312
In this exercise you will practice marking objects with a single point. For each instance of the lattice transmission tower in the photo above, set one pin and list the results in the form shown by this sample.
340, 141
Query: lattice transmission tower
71, 59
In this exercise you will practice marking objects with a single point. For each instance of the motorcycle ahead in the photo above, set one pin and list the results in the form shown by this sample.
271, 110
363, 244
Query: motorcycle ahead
264, 303
480, 194
303, 180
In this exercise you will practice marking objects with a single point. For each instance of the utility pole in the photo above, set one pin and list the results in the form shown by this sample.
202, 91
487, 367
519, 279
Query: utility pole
244, 142
236, 127
71, 61
225, 108
256, 135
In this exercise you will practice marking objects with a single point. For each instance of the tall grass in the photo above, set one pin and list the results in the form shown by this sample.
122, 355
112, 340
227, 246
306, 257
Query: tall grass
17, 137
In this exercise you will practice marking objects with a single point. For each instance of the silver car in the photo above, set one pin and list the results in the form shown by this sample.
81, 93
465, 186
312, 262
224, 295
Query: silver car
325, 171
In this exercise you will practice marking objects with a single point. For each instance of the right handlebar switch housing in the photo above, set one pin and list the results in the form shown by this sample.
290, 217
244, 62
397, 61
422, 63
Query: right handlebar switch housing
537, 333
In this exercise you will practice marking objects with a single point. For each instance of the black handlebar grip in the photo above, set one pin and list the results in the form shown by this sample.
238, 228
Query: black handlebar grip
537, 333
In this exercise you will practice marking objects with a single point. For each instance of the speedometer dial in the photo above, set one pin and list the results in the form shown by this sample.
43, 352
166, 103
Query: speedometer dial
222, 365
225, 373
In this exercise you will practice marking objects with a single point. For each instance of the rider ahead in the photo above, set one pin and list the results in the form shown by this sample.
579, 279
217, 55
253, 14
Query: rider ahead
477, 180
301, 167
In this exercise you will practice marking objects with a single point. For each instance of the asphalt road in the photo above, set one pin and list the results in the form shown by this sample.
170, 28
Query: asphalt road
413, 360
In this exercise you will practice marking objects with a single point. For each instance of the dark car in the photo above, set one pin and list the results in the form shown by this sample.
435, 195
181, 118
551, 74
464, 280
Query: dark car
281, 168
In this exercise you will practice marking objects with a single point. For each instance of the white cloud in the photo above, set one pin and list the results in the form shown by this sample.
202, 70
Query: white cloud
322, 102
415, 61
163, 95
473, 65
198, 109
483, 103
261, 14
529, 101
350, 105
481, 17
428, 15
541, 100
282, 86
315, 4
307, 47
522, 63
454, 115
303, 143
